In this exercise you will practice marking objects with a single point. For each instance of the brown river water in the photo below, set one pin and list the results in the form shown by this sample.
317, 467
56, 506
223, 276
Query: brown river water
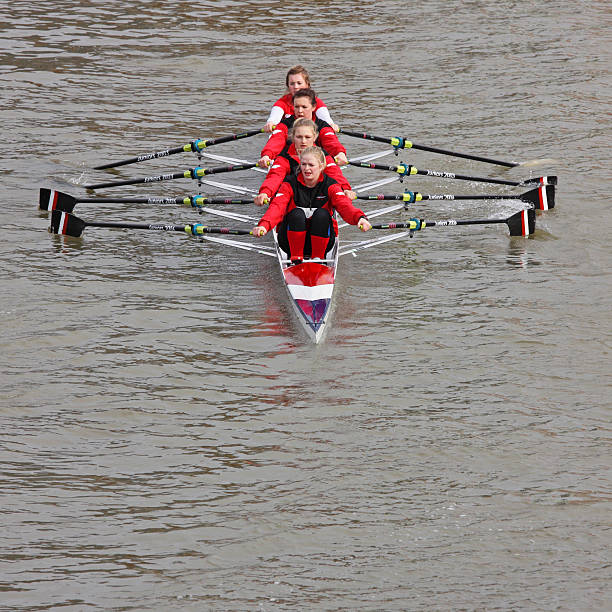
171, 440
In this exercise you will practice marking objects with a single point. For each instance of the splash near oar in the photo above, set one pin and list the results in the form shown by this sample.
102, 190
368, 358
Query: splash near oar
194, 146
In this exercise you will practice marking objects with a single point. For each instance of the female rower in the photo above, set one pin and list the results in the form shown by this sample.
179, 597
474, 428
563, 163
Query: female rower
297, 78
304, 104
303, 134
305, 207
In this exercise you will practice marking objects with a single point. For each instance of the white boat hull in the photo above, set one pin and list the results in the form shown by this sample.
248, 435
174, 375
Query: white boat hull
310, 286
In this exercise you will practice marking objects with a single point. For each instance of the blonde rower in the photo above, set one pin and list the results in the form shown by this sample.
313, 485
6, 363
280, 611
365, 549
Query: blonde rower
304, 207
302, 134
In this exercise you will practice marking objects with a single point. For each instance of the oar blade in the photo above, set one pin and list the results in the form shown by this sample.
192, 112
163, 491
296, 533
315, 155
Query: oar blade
542, 198
522, 223
542, 180
49, 199
66, 224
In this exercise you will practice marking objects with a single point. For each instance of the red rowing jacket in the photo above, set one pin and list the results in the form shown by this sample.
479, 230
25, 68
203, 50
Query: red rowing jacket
288, 162
327, 193
327, 139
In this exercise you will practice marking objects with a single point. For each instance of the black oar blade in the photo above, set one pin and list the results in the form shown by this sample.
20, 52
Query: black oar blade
66, 224
49, 199
522, 223
542, 198
542, 180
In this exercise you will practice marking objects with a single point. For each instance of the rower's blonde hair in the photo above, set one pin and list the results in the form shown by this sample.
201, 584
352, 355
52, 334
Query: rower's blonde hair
303, 122
298, 70
317, 152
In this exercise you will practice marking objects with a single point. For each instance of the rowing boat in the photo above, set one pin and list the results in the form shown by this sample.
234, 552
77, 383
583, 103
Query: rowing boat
310, 286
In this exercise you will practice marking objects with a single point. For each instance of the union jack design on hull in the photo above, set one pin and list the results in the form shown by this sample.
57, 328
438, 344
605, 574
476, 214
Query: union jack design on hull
310, 286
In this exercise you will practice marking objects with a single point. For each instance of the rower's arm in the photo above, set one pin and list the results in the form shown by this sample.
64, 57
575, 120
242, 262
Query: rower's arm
344, 206
276, 175
329, 141
333, 171
276, 142
276, 115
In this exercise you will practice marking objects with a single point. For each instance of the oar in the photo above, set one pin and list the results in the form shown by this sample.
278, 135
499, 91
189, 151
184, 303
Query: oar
49, 199
403, 143
193, 173
541, 198
69, 225
194, 146
521, 223
408, 170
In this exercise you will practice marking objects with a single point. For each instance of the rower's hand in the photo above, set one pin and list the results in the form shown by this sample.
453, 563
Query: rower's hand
364, 225
269, 127
336, 127
259, 231
261, 199
264, 162
349, 193
341, 159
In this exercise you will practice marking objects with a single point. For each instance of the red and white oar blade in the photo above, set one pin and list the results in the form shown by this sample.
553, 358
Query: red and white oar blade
66, 224
542, 198
49, 199
522, 223
542, 180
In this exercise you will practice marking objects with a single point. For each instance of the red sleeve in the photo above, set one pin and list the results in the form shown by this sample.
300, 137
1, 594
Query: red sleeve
276, 175
333, 171
342, 203
276, 143
278, 207
286, 103
329, 141
319, 104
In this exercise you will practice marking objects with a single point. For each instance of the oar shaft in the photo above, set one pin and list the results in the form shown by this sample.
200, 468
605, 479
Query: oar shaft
408, 170
189, 228
194, 173
403, 143
137, 181
195, 146
521, 223
143, 157
417, 197
69, 225
230, 138
420, 223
